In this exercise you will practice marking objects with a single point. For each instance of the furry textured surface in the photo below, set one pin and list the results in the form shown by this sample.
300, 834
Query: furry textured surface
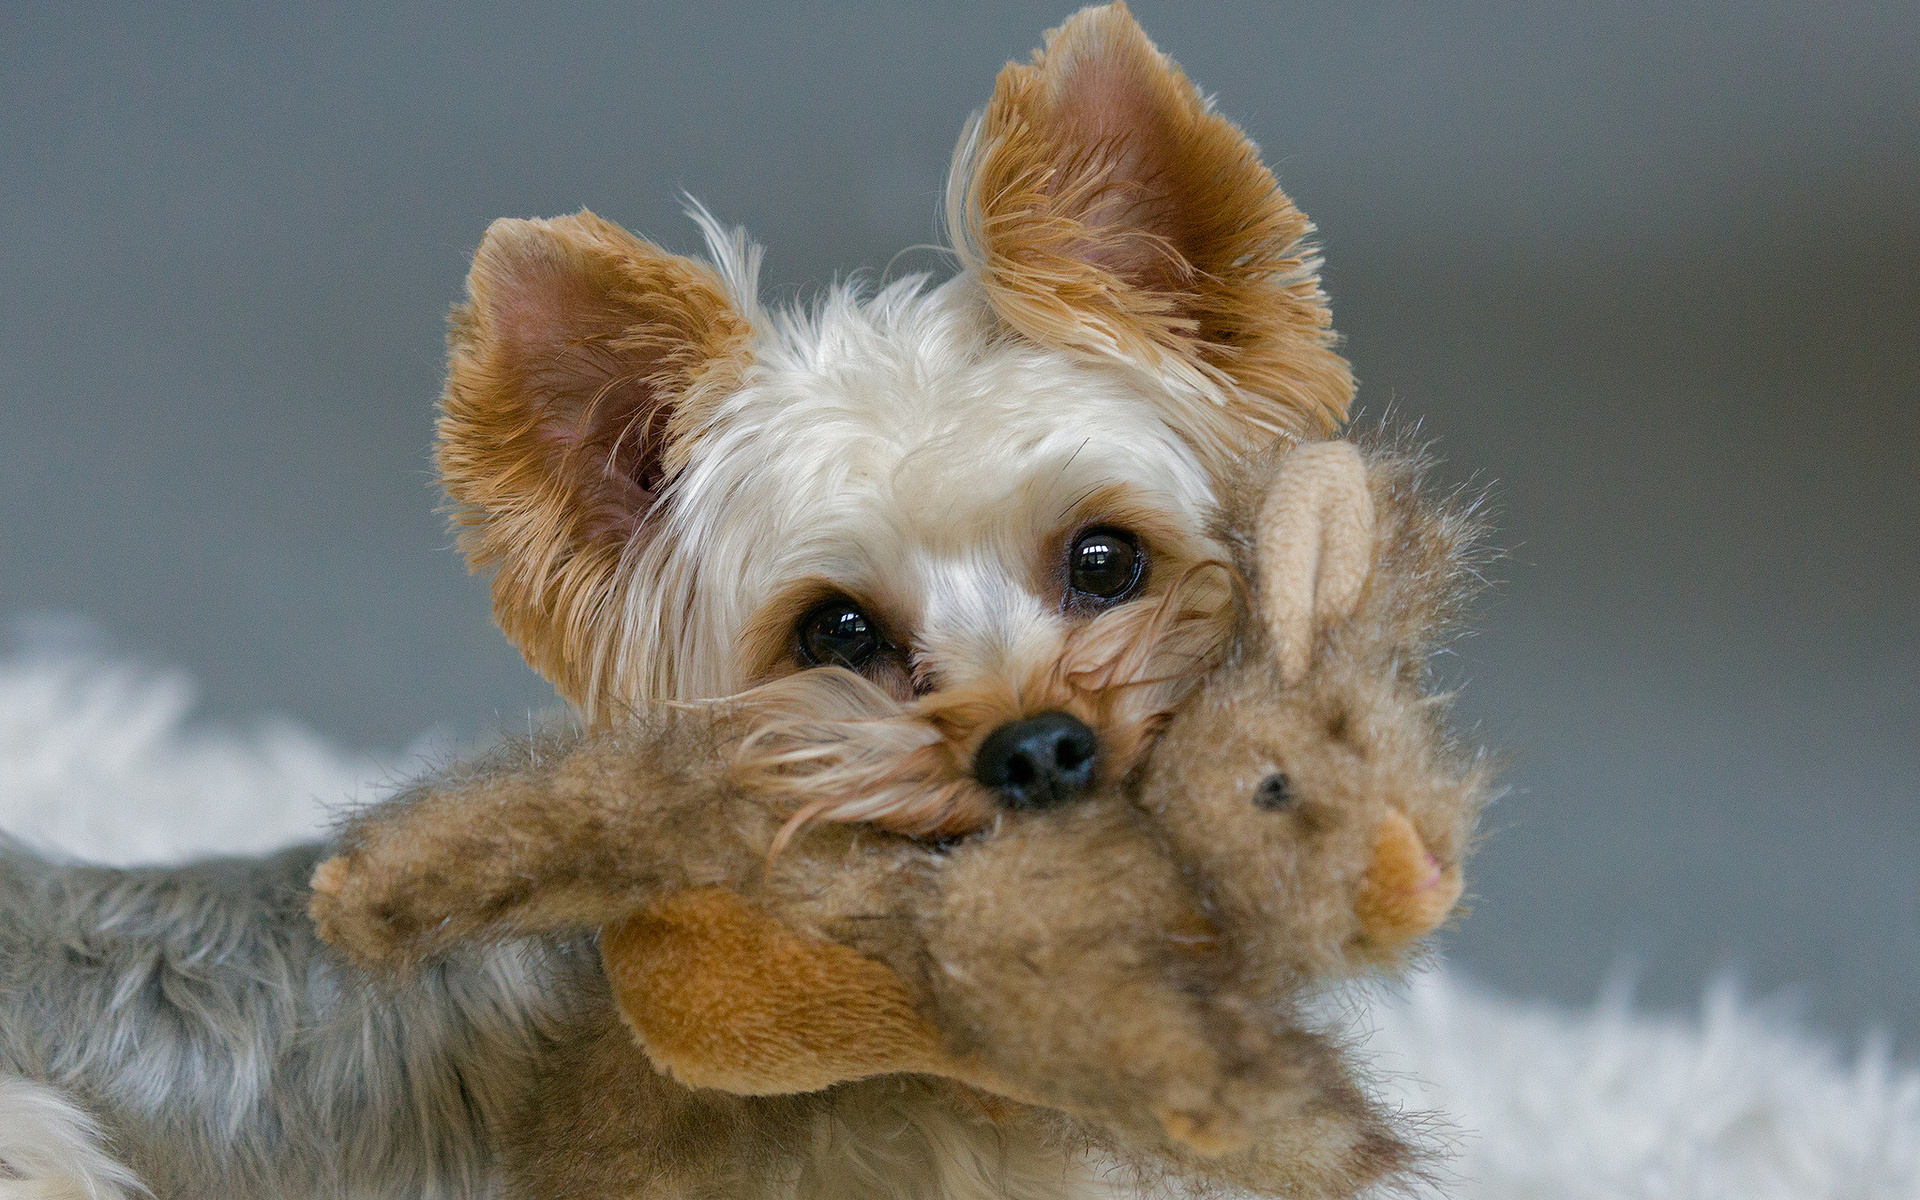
200, 1038
50, 1148
226, 1051
1102, 958
1736, 1103
673, 482
96, 746
1107, 208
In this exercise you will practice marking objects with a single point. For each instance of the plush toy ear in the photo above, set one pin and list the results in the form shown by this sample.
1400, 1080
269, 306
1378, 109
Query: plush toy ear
1313, 547
578, 369
1108, 210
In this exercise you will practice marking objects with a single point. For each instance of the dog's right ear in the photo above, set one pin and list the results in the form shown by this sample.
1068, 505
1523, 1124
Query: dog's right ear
1109, 210
580, 369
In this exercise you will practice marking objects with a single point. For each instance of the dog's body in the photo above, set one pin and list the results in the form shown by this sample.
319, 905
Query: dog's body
227, 1053
990, 497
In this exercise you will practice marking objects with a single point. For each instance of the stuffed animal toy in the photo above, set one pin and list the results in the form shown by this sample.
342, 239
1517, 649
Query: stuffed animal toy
1120, 971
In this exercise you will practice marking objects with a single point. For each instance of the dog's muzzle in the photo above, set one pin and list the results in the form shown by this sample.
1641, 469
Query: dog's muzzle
1039, 761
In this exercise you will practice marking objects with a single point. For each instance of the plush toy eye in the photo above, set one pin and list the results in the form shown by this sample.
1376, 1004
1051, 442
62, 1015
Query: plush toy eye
838, 634
1274, 793
1106, 565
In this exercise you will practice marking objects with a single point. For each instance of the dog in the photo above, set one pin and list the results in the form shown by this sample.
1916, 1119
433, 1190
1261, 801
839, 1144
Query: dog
990, 497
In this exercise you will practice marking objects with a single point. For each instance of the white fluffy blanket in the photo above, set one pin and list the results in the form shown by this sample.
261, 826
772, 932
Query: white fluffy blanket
99, 758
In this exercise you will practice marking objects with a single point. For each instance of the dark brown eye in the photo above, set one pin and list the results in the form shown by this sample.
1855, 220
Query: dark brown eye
1274, 793
1105, 565
838, 634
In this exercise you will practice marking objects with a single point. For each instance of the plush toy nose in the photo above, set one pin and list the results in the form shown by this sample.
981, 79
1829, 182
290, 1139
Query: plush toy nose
1038, 762
1406, 893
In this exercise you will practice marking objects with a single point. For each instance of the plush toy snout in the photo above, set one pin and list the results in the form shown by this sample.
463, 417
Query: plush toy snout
1406, 892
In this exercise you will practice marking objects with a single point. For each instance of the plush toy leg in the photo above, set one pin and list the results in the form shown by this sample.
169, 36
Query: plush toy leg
722, 995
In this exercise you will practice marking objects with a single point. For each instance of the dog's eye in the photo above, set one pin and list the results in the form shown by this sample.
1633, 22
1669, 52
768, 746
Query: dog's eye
1106, 565
838, 634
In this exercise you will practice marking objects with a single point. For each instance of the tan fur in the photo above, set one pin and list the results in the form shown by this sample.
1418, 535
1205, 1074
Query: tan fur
1110, 210
1406, 892
581, 368
600, 1123
1129, 960
759, 1009
1315, 549
1104, 215
1362, 739
911, 771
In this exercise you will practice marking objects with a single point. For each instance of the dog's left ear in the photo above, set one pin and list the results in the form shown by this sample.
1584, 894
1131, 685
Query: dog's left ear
1108, 210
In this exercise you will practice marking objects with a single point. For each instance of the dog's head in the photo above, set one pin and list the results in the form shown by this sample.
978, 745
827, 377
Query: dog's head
989, 498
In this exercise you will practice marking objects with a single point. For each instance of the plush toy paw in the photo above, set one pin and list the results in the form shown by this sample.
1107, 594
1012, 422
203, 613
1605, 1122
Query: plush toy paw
345, 918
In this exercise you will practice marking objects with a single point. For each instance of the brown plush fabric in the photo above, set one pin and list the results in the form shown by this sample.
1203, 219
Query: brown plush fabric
1129, 960
1315, 549
1325, 883
1407, 893
757, 1008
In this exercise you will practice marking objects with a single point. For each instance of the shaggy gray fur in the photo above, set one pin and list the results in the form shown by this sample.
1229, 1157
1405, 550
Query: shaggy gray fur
228, 1052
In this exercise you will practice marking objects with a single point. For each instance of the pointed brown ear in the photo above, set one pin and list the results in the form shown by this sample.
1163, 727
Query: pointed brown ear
579, 367
1313, 546
1108, 209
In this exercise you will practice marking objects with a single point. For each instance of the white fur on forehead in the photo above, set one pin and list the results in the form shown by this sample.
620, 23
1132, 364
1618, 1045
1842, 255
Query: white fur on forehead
901, 443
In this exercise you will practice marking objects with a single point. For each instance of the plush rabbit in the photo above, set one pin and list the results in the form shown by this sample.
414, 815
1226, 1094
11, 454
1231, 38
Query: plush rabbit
1130, 960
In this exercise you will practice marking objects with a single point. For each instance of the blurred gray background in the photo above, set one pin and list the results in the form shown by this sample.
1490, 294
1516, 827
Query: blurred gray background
1653, 270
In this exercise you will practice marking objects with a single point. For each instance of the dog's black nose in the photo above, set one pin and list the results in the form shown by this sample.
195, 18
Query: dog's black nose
1038, 762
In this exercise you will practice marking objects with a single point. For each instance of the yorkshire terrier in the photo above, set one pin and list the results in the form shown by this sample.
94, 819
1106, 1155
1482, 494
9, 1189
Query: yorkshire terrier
990, 497
983, 495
